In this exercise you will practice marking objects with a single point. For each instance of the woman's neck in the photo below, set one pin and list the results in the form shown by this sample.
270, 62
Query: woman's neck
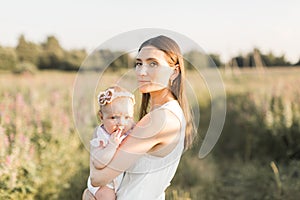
160, 97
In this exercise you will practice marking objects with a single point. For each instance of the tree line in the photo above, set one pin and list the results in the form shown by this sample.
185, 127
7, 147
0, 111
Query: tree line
29, 56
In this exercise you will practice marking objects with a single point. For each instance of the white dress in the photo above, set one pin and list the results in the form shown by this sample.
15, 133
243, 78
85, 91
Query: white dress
150, 176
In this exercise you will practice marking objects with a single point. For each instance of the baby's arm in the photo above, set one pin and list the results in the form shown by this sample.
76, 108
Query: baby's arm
101, 156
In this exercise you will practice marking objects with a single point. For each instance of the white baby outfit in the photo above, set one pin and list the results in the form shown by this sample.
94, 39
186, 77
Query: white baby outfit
103, 136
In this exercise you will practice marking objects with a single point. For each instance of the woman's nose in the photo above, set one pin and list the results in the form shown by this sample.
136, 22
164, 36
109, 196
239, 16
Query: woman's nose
142, 70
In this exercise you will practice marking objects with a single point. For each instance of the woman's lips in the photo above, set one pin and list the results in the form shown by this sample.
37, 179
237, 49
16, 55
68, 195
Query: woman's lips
143, 82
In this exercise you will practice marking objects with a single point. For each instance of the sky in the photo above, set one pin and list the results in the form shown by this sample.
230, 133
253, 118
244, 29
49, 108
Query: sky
224, 27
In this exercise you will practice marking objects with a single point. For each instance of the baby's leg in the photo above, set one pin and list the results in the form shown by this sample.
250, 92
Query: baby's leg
105, 193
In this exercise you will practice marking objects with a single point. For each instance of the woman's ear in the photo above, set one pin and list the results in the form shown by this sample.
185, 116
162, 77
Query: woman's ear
175, 72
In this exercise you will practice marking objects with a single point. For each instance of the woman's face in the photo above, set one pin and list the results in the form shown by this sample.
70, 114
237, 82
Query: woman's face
152, 70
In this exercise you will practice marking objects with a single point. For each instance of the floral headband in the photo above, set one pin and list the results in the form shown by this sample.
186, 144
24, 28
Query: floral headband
109, 95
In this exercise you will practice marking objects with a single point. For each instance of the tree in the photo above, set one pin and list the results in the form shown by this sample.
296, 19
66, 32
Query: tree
298, 63
216, 59
8, 58
73, 59
105, 59
52, 55
27, 51
123, 60
195, 59
271, 60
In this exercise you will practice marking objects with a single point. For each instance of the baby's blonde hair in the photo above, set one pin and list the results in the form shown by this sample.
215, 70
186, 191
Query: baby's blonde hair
107, 96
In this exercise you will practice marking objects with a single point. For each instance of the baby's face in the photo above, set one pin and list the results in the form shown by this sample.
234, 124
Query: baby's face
118, 115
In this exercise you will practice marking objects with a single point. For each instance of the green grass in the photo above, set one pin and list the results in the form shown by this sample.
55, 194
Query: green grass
43, 157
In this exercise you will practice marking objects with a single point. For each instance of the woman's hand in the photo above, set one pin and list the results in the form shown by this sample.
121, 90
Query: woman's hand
87, 195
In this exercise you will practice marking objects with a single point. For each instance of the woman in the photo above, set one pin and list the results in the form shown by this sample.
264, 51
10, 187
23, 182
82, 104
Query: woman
150, 154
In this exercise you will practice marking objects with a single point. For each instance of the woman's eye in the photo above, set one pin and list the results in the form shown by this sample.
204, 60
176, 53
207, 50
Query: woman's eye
138, 64
153, 64
112, 117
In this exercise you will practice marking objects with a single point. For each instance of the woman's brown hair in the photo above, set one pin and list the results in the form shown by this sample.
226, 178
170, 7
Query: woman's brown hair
174, 58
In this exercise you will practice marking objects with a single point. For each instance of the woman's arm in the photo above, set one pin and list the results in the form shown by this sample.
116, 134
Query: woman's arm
87, 195
158, 128
101, 156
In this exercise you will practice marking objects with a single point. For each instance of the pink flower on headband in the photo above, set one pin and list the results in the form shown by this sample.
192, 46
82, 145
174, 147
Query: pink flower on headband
105, 97
109, 95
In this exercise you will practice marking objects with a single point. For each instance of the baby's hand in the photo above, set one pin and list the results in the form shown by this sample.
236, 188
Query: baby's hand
116, 138
101, 144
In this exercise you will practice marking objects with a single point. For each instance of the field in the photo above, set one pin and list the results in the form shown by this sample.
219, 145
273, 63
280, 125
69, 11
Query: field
42, 156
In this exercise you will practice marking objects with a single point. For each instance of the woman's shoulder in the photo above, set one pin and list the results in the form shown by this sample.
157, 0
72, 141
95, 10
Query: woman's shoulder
165, 112
174, 107
158, 121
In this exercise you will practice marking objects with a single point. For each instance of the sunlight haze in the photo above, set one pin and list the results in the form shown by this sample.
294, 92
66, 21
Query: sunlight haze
226, 28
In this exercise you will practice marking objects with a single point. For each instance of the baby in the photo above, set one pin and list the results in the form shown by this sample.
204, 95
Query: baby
116, 113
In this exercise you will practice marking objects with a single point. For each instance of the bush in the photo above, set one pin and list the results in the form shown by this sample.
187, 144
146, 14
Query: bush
40, 153
25, 67
261, 128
